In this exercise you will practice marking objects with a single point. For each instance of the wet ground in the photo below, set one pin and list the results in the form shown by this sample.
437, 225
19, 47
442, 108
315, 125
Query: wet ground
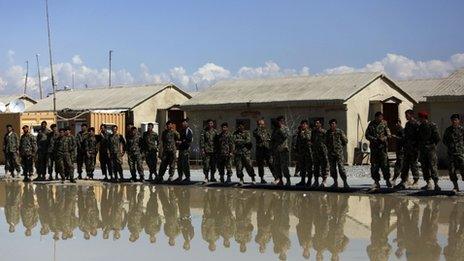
102, 221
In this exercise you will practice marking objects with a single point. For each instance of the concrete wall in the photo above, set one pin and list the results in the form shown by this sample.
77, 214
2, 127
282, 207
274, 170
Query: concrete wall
440, 113
147, 111
358, 115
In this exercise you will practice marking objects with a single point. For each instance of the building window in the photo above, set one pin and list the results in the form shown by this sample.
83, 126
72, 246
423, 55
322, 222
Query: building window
246, 123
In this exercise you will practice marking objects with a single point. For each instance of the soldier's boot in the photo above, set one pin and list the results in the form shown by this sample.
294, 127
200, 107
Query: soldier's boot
375, 185
179, 179
253, 180
141, 178
302, 182
345, 184
324, 182
455, 186
310, 179
150, 176
279, 182
56, 176
26, 178
63, 178
228, 180
428, 186
133, 178
221, 179
71, 179
79, 176
241, 181
415, 184
212, 179
335, 184
186, 180
262, 181
388, 183
437, 187
401, 185
50, 177
316, 182
288, 183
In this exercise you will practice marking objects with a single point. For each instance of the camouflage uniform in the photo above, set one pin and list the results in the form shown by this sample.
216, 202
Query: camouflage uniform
183, 163
185, 216
428, 141
377, 134
263, 151
65, 156
150, 147
80, 137
411, 153
168, 139
29, 210
90, 148
320, 159
134, 155
10, 150
242, 157
225, 150
399, 151
12, 204
152, 218
336, 141
280, 152
207, 139
117, 146
304, 151
42, 152
27, 150
454, 141
52, 137
135, 213
104, 154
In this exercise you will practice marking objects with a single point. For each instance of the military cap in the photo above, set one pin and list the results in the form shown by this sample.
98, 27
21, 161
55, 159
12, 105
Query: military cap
455, 116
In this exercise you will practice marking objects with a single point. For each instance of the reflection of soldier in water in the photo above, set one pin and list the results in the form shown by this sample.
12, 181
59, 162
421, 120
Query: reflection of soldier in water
338, 210
281, 223
68, 219
171, 225
185, 220
226, 216
118, 213
455, 248
305, 211
12, 205
244, 227
209, 225
430, 249
263, 220
29, 214
379, 249
321, 225
152, 219
135, 213
45, 202
407, 227
105, 208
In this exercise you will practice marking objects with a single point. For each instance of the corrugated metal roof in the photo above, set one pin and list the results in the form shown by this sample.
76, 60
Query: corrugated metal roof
452, 86
120, 97
418, 89
6, 99
315, 89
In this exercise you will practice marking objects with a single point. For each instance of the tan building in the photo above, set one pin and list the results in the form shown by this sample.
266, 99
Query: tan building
7, 99
351, 98
418, 89
140, 104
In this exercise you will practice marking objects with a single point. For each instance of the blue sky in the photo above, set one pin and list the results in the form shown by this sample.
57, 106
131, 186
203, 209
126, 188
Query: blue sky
173, 40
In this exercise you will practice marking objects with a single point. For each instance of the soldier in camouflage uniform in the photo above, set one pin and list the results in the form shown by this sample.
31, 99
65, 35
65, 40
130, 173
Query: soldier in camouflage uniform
135, 213
183, 163
378, 133
263, 150
80, 137
117, 148
225, 150
67, 150
242, 157
169, 139
27, 150
207, 148
411, 153
58, 154
320, 159
336, 141
185, 216
12, 204
42, 151
29, 210
280, 151
399, 136
150, 148
428, 141
52, 136
11, 151
90, 147
304, 151
454, 142
134, 154
152, 218
104, 153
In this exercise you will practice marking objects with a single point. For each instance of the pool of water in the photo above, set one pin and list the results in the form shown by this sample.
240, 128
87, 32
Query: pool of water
142, 222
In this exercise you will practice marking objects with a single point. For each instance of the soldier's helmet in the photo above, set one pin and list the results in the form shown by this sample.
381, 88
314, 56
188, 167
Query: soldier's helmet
212, 246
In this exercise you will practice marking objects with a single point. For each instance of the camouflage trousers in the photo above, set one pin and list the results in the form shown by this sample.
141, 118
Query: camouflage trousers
320, 162
64, 165
80, 160
105, 164
209, 164
168, 160
410, 163
151, 158
51, 163
41, 163
429, 162
379, 161
336, 161
12, 162
243, 161
116, 164
27, 164
224, 163
263, 157
398, 165
456, 163
135, 164
90, 160
183, 163
305, 161
281, 163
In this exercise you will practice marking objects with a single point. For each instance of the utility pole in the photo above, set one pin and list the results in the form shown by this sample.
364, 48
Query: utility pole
109, 72
50, 56
27, 74
38, 75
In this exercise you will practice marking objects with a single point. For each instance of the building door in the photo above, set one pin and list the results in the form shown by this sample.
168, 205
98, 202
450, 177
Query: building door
176, 116
390, 114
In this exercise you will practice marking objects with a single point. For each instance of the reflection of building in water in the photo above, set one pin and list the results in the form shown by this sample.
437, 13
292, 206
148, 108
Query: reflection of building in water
251, 221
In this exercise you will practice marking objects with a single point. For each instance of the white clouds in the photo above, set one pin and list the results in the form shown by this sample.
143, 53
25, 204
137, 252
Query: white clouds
10, 56
76, 59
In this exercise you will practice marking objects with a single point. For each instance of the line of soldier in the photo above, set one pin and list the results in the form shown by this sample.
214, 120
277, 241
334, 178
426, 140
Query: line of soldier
227, 216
